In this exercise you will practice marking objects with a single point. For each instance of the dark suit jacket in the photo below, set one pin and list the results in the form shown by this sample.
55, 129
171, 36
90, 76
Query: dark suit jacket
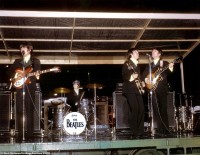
73, 98
129, 87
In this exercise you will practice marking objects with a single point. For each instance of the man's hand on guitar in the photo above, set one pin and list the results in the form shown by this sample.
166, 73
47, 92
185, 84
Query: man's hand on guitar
147, 80
133, 77
171, 66
37, 75
143, 84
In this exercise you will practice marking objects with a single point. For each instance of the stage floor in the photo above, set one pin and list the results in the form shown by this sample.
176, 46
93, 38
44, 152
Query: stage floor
103, 142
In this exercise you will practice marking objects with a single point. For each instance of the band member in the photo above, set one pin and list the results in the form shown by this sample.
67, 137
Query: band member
18, 70
131, 90
159, 87
75, 96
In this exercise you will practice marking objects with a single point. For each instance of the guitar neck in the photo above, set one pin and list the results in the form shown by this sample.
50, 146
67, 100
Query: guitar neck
40, 72
163, 69
129, 65
166, 67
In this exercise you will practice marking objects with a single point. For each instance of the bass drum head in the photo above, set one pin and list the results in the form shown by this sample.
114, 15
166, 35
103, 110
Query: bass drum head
74, 123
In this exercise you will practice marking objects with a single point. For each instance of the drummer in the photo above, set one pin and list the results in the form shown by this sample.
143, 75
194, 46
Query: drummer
75, 96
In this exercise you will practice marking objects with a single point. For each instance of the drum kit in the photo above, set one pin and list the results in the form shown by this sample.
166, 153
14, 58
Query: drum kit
188, 119
75, 123
184, 119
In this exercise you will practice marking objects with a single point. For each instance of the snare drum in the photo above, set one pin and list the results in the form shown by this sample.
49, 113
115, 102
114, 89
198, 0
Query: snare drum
74, 123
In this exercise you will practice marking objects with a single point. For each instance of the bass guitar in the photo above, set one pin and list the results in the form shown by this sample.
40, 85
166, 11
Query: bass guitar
156, 76
22, 77
138, 82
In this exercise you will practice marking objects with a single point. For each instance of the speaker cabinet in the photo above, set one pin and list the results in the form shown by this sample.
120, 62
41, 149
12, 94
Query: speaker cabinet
102, 113
5, 104
121, 110
171, 109
37, 112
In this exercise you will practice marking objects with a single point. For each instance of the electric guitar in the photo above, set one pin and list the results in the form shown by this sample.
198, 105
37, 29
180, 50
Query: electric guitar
22, 77
138, 82
156, 76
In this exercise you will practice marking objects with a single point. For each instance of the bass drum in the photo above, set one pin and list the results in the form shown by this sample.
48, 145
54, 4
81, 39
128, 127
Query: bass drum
74, 123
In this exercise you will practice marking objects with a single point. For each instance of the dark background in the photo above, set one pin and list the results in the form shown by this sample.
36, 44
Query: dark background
104, 5
110, 75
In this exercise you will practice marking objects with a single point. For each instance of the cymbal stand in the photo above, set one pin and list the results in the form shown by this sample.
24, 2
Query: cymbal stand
95, 118
191, 113
94, 110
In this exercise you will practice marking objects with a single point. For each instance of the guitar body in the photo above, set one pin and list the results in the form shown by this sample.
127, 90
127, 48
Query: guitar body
21, 77
137, 81
154, 81
156, 76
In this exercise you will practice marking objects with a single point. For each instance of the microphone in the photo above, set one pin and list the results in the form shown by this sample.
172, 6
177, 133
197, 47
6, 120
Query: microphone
148, 55
150, 58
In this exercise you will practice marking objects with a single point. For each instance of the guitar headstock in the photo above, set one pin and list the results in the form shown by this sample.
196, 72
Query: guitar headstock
179, 59
55, 69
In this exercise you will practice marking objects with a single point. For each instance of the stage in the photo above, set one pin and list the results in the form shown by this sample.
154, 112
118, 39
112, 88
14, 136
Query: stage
104, 142
110, 136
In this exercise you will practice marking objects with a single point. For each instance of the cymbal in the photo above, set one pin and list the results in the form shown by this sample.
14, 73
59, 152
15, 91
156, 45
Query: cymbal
95, 85
62, 90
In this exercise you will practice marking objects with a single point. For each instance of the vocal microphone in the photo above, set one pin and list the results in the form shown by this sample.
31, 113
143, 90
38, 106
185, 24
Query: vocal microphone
148, 55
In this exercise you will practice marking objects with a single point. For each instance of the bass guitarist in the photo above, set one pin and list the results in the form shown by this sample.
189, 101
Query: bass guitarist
130, 75
26, 61
159, 87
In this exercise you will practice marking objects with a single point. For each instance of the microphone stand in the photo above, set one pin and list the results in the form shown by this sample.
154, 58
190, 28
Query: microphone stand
23, 106
150, 99
95, 114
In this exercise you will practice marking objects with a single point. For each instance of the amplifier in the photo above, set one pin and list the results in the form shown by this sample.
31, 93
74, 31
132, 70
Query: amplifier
171, 109
5, 107
101, 115
37, 112
121, 110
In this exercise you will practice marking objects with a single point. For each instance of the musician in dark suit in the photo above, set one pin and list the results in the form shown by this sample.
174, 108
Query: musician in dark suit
130, 74
75, 96
159, 89
26, 64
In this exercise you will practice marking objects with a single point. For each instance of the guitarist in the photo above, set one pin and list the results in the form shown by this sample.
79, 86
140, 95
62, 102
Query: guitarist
159, 94
132, 94
26, 61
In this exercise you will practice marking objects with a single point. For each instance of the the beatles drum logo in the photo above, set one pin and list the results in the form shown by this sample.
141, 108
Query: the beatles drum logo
74, 123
